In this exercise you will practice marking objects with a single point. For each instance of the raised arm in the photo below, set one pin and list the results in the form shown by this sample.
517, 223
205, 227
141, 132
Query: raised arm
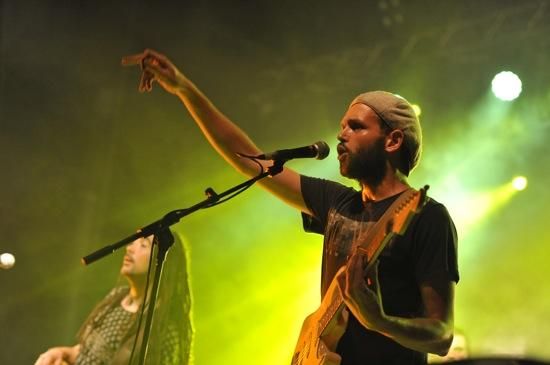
224, 135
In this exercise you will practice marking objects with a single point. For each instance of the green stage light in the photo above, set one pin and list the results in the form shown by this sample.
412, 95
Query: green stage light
506, 86
519, 183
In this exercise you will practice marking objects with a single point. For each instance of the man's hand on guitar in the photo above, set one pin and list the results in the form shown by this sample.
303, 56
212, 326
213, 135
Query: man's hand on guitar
362, 297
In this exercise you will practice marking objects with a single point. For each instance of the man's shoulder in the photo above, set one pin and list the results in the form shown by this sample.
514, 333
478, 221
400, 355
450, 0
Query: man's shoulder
435, 215
434, 206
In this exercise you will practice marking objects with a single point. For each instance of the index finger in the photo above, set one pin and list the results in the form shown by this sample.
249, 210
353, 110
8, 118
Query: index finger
133, 60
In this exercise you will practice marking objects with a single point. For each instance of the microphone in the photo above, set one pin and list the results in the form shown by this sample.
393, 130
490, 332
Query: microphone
318, 150
6, 261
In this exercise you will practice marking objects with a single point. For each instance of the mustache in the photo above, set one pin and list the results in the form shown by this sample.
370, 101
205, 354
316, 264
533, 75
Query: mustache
341, 148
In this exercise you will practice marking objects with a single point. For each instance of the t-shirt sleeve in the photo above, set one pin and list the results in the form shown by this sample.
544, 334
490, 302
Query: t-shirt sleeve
435, 245
320, 195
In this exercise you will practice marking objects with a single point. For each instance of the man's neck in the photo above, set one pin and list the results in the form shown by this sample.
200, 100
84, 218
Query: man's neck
392, 184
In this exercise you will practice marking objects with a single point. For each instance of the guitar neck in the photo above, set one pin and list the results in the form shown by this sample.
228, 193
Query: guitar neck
336, 305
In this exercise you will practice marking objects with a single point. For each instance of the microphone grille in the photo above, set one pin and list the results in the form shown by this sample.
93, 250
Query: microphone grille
322, 150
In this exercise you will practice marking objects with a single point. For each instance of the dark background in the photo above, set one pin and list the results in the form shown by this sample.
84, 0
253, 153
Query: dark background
86, 159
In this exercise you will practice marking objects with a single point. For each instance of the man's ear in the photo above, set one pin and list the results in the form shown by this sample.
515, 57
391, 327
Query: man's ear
394, 140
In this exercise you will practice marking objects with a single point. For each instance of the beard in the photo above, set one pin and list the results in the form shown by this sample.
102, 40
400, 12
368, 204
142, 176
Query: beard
367, 165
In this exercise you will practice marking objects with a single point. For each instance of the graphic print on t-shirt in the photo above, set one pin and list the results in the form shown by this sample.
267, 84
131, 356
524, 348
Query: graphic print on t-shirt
341, 240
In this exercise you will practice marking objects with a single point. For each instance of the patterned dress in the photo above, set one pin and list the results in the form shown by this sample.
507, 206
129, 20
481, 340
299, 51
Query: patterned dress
99, 347
107, 336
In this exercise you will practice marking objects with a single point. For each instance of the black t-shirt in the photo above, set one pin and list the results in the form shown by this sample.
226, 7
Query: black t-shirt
426, 251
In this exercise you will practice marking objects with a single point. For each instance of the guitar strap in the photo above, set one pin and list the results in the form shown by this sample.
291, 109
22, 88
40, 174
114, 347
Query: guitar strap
365, 239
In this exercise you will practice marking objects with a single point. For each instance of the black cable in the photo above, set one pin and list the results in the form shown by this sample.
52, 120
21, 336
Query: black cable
261, 169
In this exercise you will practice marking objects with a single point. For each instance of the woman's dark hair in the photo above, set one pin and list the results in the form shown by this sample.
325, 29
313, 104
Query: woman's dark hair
172, 319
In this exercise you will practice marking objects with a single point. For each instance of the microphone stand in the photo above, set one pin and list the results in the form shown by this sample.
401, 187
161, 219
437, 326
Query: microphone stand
164, 239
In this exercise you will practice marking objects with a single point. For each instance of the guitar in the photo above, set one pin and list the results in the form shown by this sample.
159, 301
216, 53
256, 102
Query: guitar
322, 329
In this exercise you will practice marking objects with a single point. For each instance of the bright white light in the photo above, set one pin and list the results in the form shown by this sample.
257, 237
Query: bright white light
519, 183
506, 85
417, 109
7, 260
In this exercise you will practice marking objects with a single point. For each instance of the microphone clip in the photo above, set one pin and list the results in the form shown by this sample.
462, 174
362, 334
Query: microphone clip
275, 169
